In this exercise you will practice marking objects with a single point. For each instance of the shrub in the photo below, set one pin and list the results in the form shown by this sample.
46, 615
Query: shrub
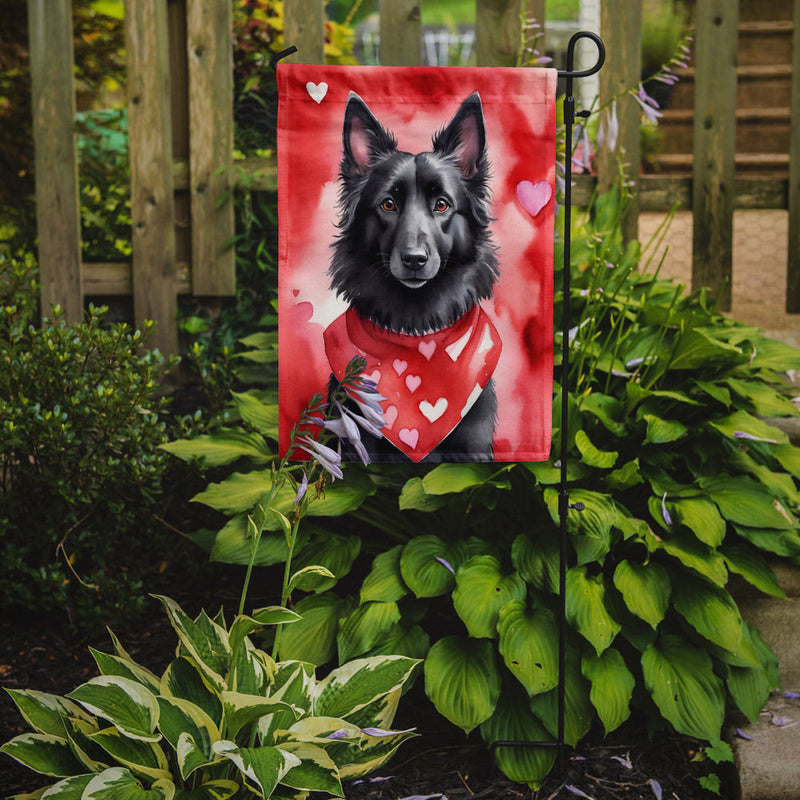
223, 720
79, 430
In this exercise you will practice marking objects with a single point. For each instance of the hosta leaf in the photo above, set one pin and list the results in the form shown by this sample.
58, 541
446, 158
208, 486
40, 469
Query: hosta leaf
364, 628
646, 589
126, 704
334, 553
261, 416
780, 542
578, 710
233, 544
242, 709
597, 517
481, 591
44, 753
740, 422
178, 716
608, 410
774, 355
237, 493
117, 783
586, 608
294, 684
537, 561
767, 401
449, 478
683, 685
424, 565
513, 721
182, 679
358, 683
696, 349
746, 561
244, 625
529, 645
190, 756
709, 609
663, 431
591, 455
612, 687
462, 680
67, 789
701, 517
316, 771
44, 712
788, 456
749, 688
414, 497
125, 668
716, 391
145, 759
264, 766
399, 640
385, 582
212, 790
626, 476
745, 502
313, 638
223, 446
692, 553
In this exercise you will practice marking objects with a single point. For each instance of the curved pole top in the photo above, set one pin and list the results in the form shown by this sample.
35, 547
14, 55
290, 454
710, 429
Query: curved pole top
570, 72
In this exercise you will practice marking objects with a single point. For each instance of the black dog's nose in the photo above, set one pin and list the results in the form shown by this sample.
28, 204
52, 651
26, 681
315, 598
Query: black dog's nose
414, 258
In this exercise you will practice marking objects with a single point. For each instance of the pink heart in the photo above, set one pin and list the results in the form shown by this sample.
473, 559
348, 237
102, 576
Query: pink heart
413, 382
534, 196
399, 366
409, 436
374, 376
427, 348
390, 416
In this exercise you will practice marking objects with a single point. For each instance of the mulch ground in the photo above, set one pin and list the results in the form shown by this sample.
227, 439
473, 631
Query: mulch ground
44, 654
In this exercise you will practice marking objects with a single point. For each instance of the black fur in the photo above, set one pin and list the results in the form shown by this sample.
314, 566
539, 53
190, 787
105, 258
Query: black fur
414, 251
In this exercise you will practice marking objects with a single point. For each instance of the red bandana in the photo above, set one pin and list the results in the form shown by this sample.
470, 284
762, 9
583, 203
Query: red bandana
430, 382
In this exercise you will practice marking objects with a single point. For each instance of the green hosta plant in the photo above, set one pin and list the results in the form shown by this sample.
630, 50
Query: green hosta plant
224, 720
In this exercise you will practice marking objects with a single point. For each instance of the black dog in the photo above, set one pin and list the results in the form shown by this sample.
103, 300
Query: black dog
415, 256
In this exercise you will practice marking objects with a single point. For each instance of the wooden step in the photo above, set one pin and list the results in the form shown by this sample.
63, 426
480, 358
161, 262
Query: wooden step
765, 42
754, 10
767, 165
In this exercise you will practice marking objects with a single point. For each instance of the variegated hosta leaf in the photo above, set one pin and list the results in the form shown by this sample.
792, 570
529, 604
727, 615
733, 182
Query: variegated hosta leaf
44, 753
710, 610
316, 771
529, 645
180, 717
242, 709
683, 685
371, 754
204, 641
68, 789
365, 627
513, 721
125, 668
78, 733
252, 670
646, 589
481, 591
183, 679
262, 766
462, 680
358, 683
212, 790
117, 783
294, 684
190, 755
244, 625
145, 759
385, 581
612, 687
586, 608
126, 704
45, 712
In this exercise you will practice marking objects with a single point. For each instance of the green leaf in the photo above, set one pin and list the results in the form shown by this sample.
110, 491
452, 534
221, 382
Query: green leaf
529, 645
701, 517
243, 625
68, 789
422, 567
365, 628
241, 709
745, 502
612, 687
537, 560
714, 390
625, 477
311, 577
44, 712
766, 400
125, 668
385, 581
774, 355
449, 478
710, 610
414, 497
234, 545
741, 422
238, 492
691, 553
223, 446
44, 753
261, 416
608, 410
145, 759
746, 561
462, 680
126, 704
645, 588
586, 608
590, 454
117, 783
264, 766
789, 457
182, 679
782, 543
316, 772
695, 349
212, 790
481, 591
683, 685
663, 431
334, 553
512, 721
399, 640
749, 687
179, 717
313, 638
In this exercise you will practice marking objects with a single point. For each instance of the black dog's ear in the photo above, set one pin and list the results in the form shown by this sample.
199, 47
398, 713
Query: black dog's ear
364, 138
464, 136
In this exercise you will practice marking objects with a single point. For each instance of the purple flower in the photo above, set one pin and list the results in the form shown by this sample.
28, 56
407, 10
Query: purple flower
342, 733
664, 512
577, 792
751, 437
327, 458
649, 106
301, 489
608, 131
447, 564
380, 732
655, 786
742, 735
624, 761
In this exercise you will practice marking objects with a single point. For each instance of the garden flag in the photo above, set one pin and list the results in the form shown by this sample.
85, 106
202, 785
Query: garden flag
416, 211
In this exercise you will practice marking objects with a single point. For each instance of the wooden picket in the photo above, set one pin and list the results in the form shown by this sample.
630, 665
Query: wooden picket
181, 134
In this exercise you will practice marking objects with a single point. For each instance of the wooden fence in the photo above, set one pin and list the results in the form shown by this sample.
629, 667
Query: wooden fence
181, 141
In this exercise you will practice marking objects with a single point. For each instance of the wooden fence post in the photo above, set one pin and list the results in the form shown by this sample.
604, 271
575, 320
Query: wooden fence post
304, 27
56, 161
210, 55
793, 266
152, 201
714, 146
498, 29
401, 33
621, 28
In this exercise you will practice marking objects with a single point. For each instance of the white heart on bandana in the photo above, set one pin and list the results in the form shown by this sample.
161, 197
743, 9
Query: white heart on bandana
433, 412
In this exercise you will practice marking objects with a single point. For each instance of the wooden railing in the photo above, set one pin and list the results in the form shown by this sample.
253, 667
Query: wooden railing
181, 134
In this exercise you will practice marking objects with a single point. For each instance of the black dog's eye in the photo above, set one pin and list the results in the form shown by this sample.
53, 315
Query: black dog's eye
389, 205
441, 204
